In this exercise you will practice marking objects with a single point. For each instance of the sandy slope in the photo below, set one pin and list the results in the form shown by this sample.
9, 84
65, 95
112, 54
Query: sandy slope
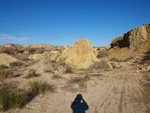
115, 91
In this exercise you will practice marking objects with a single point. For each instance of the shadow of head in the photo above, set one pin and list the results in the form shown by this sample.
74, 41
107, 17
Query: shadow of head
79, 105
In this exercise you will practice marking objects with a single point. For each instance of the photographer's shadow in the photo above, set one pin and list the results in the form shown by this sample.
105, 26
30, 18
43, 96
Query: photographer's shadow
79, 105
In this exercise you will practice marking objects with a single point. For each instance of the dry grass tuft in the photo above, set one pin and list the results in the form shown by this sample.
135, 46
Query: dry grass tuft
4, 74
32, 73
103, 64
80, 80
11, 98
68, 70
38, 87
56, 76
2, 66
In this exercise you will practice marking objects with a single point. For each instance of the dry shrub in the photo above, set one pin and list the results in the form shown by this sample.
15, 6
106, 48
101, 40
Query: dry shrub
38, 87
17, 63
32, 73
102, 54
11, 98
115, 59
81, 80
2, 66
4, 74
103, 64
68, 70
56, 76
121, 60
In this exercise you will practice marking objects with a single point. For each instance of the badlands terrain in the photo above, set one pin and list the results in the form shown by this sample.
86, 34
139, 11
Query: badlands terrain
46, 79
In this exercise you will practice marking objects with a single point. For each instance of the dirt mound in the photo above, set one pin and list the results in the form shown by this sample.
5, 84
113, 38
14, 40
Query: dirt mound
79, 55
131, 43
15, 46
6, 59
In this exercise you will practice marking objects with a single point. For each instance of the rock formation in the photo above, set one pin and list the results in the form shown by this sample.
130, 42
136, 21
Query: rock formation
133, 42
6, 59
79, 55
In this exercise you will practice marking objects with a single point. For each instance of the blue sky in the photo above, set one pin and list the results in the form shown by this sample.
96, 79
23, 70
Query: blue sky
60, 22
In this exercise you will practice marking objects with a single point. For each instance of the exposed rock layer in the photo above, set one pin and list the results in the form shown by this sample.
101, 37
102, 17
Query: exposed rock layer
79, 55
133, 42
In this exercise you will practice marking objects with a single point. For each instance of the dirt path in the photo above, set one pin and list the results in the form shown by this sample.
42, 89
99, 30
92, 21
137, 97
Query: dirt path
115, 91
121, 92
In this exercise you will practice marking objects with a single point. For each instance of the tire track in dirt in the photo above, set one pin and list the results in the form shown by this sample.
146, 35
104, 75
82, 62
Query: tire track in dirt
124, 92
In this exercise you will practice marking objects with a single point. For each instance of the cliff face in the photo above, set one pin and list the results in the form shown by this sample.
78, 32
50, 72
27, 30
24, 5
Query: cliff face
134, 41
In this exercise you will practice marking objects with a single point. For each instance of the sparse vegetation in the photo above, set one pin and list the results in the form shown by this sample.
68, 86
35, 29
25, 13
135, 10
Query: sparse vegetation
68, 70
2, 66
82, 84
81, 80
121, 60
48, 70
11, 99
5, 74
103, 64
56, 76
53, 61
17, 63
102, 54
32, 73
115, 59
87, 77
38, 87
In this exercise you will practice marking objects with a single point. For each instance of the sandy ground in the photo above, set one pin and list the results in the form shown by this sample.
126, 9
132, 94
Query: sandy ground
110, 91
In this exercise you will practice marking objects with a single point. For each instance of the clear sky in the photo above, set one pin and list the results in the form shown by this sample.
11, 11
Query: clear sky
60, 22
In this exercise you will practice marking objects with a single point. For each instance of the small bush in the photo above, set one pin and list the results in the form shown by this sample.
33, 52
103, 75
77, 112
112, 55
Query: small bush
11, 99
101, 65
53, 61
38, 87
68, 70
56, 76
102, 54
25, 59
48, 70
76, 80
80, 79
5, 74
17, 63
115, 59
2, 66
128, 59
32, 73
87, 77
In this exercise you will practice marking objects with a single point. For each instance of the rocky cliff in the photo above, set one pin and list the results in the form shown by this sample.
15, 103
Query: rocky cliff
133, 42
